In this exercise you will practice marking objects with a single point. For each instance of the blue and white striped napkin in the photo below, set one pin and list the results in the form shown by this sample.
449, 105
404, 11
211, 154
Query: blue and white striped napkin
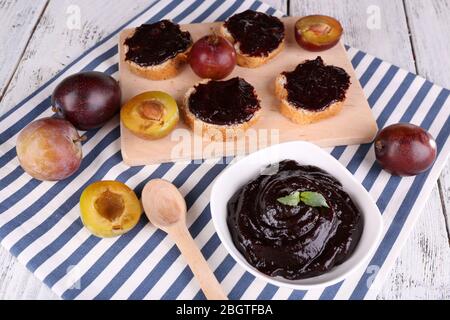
40, 224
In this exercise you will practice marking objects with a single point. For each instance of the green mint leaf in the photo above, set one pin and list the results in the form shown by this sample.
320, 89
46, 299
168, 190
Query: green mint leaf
291, 200
313, 199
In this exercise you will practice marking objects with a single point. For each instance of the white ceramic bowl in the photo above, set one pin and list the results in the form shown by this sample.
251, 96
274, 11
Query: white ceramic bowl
246, 169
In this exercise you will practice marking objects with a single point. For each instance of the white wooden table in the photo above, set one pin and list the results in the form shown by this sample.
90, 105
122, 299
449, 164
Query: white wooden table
40, 37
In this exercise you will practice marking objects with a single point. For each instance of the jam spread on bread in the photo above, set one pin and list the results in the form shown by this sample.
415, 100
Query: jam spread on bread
293, 241
258, 34
153, 44
315, 86
224, 102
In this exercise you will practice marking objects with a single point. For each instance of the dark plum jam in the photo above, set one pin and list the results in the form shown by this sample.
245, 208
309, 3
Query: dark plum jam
294, 242
258, 34
153, 44
227, 102
315, 86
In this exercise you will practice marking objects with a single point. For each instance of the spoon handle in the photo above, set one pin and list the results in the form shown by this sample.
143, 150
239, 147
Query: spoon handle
200, 268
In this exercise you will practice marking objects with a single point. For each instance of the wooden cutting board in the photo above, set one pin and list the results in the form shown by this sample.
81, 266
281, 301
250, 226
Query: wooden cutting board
354, 125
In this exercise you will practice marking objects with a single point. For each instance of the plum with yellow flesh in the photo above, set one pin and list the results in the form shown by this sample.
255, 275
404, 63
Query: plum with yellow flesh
150, 115
49, 149
109, 208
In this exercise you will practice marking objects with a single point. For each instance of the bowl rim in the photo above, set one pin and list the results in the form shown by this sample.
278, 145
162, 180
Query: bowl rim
240, 259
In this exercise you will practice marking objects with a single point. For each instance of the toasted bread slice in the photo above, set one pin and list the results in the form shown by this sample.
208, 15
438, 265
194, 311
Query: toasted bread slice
300, 115
166, 70
146, 52
213, 131
245, 60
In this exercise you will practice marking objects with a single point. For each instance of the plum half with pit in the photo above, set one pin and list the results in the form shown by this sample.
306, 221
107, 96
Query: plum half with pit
87, 99
49, 149
109, 208
405, 149
317, 32
150, 115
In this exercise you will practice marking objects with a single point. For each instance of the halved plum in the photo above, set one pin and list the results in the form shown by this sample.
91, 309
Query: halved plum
150, 115
109, 208
318, 32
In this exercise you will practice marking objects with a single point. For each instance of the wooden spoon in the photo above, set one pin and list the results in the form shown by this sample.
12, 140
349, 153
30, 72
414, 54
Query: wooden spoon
166, 209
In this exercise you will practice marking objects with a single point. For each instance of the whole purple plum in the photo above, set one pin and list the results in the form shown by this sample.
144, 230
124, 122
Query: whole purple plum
87, 99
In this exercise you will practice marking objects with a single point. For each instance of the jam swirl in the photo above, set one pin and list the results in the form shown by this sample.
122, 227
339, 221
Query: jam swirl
294, 242
257, 33
153, 44
227, 102
315, 86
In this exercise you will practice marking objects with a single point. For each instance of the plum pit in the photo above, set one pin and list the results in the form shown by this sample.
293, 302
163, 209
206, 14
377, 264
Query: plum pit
110, 205
150, 115
151, 110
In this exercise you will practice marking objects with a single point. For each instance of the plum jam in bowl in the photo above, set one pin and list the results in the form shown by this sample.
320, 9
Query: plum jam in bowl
293, 216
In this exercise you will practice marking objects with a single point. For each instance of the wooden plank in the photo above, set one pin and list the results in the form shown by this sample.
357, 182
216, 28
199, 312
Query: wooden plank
444, 191
429, 23
58, 40
19, 19
271, 128
96, 24
395, 47
355, 16
421, 271
16, 282
52, 46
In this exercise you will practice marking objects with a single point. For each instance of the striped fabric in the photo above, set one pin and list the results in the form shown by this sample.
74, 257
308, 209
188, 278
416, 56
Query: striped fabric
40, 224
